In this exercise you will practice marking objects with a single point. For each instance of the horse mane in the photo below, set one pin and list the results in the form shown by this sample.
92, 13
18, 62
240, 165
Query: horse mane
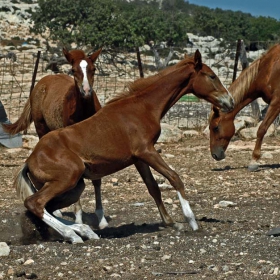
142, 83
244, 81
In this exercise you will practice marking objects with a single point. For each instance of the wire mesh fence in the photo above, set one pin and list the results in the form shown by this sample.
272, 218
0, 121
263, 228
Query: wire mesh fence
116, 69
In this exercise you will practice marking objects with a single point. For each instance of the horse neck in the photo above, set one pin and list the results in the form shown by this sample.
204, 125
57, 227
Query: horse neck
164, 93
241, 87
90, 104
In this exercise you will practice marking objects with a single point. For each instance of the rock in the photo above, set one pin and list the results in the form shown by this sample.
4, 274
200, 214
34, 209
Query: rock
190, 133
239, 124
170, 133
165, 186
28, 262
166, 257
224, 203
4, 249
30, 141
267, 155
274, 232
251, 132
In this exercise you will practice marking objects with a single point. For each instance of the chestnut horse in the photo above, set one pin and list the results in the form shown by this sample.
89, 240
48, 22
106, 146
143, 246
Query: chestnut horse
122, 133
58, 101
260, 79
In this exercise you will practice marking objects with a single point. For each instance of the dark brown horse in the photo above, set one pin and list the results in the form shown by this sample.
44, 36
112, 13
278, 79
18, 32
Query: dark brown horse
58, 101
122, 133
260, 79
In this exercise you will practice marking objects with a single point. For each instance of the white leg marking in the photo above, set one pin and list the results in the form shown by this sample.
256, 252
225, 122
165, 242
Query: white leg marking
101, 218
62, 229
57, 213
188, 213
78, 212
78, 215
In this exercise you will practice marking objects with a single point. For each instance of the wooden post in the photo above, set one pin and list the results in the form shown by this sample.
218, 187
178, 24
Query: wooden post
241, 54
35, 71
34, 77
139, 63
237, 54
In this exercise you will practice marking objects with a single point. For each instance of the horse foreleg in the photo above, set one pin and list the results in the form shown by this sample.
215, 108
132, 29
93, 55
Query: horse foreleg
64, 230
154, 191
152, 158
102, 222
270, 116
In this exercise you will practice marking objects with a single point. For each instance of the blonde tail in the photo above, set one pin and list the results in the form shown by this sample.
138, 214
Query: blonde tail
22, 183
22, 123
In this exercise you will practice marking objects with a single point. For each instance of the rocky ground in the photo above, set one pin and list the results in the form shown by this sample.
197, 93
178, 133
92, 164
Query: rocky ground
231, 243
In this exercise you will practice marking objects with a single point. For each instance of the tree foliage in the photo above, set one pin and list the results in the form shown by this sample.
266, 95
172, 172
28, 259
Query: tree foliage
119, 23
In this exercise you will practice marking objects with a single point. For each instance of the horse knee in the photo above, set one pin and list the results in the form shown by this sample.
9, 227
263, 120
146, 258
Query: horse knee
33, 206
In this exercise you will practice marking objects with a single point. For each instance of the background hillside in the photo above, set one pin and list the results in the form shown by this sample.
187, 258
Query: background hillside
121, 23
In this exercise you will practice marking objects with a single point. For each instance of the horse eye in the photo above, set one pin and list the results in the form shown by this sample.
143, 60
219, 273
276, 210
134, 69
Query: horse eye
216, 128
212, 77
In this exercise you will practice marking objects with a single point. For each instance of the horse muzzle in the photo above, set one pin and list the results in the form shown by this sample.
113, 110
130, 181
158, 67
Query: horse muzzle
218, 154
226, 103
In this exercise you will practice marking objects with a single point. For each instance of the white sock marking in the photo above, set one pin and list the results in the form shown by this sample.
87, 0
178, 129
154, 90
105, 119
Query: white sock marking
188, 213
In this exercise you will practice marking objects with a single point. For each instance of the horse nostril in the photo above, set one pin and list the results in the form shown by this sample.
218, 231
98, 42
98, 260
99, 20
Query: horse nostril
214, 157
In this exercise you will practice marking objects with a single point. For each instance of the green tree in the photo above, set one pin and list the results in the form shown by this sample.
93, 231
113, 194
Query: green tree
108, 22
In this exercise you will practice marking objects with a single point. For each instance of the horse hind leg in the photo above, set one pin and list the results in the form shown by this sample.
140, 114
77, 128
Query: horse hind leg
99, 212
27, 194
271, 114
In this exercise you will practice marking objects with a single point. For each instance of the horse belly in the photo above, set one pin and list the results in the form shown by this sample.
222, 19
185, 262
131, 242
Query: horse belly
94, 171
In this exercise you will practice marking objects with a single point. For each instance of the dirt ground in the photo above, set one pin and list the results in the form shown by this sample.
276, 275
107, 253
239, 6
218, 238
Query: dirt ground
231, 243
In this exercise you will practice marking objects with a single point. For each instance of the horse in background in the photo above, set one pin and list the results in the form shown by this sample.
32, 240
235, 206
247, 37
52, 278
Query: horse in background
58, 101
260, 79
50, 179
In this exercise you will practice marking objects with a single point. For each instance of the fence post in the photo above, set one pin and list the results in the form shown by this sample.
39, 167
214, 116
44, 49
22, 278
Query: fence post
237, 54
35, 71
241, 54
34, 77
139, 63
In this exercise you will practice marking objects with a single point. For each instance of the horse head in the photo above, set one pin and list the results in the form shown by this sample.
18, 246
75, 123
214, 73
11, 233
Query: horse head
83, 69
207, 85
222, 129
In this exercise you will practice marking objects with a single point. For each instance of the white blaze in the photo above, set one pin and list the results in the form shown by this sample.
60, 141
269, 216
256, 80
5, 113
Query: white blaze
83, 65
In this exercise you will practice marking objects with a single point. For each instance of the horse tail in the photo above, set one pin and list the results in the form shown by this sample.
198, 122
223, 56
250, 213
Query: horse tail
22, 123
22, 184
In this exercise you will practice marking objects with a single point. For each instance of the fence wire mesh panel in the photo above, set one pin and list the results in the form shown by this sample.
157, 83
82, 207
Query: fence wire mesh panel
117, 68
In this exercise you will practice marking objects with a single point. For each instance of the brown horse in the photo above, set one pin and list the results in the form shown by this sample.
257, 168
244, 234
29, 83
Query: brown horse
260, 79
122, 133
58, 101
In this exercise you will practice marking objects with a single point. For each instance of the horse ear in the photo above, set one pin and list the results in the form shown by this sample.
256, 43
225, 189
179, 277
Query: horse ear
67, 55
197, 60
95, 55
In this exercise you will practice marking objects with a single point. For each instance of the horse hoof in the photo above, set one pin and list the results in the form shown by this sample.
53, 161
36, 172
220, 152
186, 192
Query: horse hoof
178, 226
193, 224
76, 240
103, 223
253, 167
